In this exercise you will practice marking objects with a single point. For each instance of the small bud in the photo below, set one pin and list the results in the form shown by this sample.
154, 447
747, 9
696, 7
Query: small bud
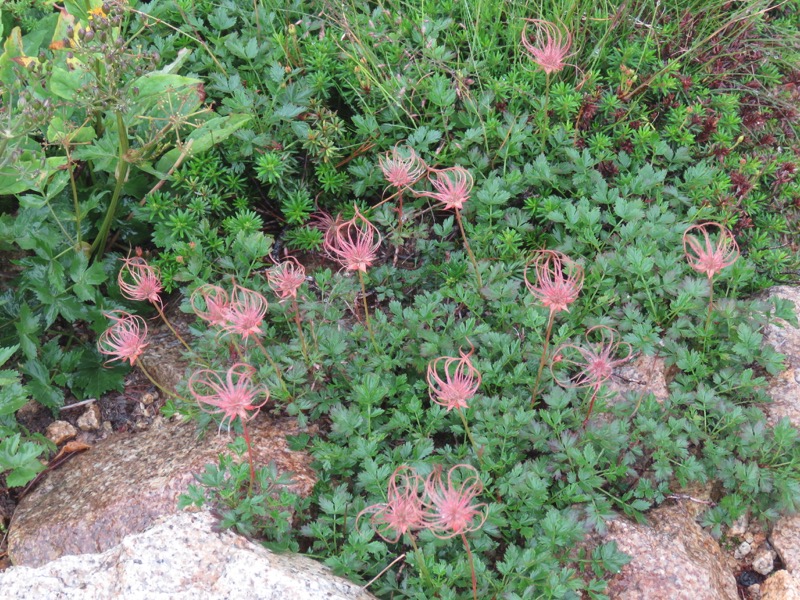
70, 31
89, 35
106, 7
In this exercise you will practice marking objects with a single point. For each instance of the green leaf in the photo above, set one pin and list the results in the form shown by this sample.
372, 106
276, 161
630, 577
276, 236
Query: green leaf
210, 133
6, 353
27, 327
20, 459
13, 396
93, 379
85, 277
66, 83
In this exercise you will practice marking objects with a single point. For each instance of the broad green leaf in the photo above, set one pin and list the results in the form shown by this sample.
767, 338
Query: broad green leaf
58, 131
210, 133
66, 83
159, 83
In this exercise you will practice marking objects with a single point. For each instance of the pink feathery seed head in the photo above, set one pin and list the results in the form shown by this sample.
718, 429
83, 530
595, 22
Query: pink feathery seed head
216, 303
245, 312
125, 338
232, 395
324, 221
402, 170
707, 256
402, 512
139, 281
286, 278
558, 279
460, 383
353, 243
548, 45
452, 187
449, 508
591, 364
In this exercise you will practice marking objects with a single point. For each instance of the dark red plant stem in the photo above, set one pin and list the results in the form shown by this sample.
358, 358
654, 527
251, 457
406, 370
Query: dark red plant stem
471, 568
249, 456
595, 389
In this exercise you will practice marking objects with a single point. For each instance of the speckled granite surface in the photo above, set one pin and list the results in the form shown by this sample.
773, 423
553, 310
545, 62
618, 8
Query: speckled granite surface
181, 557
124, 483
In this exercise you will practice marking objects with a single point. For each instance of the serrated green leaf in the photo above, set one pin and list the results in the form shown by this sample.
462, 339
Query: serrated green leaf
6, 353
13, 396
27, 327
20, 459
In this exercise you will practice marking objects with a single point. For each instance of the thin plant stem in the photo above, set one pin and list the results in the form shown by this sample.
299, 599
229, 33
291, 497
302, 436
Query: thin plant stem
708, 314
595, 390
423, 569
469, 434
274, 366
471, 567
171, 328
386, 568
249, 456
158, 385
543, 359
469, 250
303, 345
545, 116
366, 312
75, 202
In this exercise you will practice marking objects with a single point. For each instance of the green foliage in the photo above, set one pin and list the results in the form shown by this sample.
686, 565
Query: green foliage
267, 509
18, 455
665, 117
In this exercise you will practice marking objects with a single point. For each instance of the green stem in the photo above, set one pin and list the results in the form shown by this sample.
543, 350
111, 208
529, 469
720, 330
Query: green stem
542, 359
274, 366
469, 250
421, 562
155, 383
75, 202
478, 451
98, 246
171, 328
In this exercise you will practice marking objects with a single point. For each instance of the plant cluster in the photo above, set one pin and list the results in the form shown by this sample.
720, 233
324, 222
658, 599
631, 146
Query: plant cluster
437, 234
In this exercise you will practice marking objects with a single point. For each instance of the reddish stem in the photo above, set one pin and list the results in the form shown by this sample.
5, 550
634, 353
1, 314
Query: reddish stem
471, 568
250, 457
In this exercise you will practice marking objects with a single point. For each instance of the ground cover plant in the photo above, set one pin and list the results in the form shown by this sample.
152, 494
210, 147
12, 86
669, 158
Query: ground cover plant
435, 232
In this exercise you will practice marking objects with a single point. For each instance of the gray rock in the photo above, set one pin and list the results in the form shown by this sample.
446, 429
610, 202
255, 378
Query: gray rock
742, 550
182, 557
125, 482
784, 388
673, 557
763, 561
